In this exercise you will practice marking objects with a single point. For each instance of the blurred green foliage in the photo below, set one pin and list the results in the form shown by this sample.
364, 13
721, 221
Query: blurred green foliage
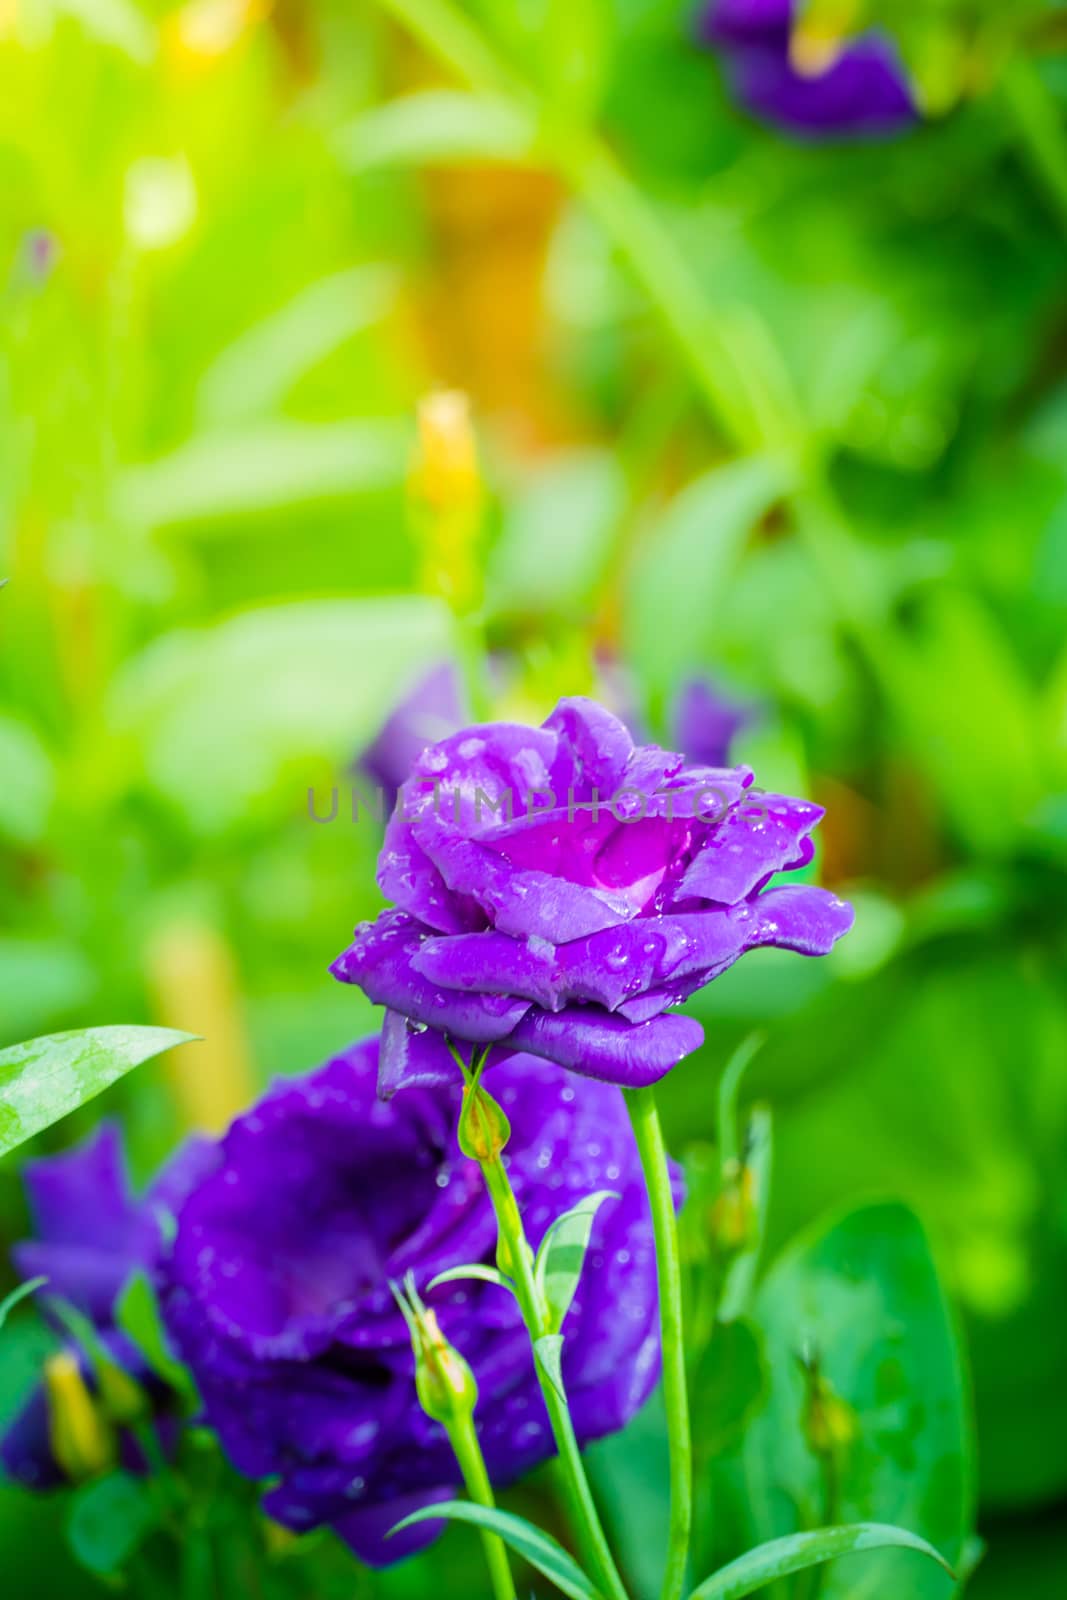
794, 416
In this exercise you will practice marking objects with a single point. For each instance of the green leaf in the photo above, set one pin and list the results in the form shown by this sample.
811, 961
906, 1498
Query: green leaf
549, 1352
29, 784
684, 567
108, 1521
474, 1270
863, 1296
24, 1290
559, 1262
256, 371
558, 535
536, 1547
729, 1384
137, 1314
798, 1551
221, 716
42, 1079
264, 466
438, 127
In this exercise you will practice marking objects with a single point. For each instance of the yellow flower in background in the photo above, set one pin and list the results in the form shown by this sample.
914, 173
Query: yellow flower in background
207, 30
445, 485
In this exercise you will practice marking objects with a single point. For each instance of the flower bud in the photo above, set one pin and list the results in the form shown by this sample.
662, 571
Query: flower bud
445, 1384
831, 1426
81, 1438
121, 1397
446, 493
733, 1222
484, 1129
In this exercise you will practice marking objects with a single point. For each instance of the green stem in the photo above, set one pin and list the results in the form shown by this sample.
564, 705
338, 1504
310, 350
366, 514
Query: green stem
518, 1263
468, 1453
649, 1136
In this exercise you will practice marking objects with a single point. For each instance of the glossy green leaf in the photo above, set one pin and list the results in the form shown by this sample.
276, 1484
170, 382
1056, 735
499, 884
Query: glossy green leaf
798, 1551
536, 1547
862, 1295
561, 1256
43, 1079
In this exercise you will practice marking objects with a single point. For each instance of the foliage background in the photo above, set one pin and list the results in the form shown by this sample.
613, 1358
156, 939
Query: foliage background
238, 244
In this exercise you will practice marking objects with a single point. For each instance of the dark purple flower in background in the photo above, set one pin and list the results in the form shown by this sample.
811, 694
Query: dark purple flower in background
433, 709
277, 1288
706, 722
624, 881
92, 1234
859, 88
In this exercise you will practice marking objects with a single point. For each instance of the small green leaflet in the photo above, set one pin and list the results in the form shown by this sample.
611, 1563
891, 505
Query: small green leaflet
562, 1254
42, 1079
8, 1304
797, 1551
473, 1270
549, 1352
137, 1314
109, 1518
539, 1549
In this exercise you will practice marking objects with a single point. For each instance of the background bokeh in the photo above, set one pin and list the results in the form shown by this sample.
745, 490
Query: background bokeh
789, 415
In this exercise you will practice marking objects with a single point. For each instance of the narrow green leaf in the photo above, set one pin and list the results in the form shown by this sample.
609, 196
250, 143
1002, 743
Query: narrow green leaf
108, 1520
549, 1352
137, 1314
536, 1547
439, 126
562, 1254
473, 1270
781, 1557
24, 1290
42, 1079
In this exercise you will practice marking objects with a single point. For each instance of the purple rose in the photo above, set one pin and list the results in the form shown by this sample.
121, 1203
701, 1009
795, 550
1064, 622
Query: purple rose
859, 89
432, 710
621, 881
277, 1288
92, 1234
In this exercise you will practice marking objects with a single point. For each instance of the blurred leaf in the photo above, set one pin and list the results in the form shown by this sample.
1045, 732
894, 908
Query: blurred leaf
28, 785
473, 1269
536, 1547
557, 536
264, 467
254, 374
39, 980
43, 1079
222, 715
728, 1385
561, 1255
439, 127
798, 1551
679, 575
137, 1314
549, 1352
108, 1520
24, 1290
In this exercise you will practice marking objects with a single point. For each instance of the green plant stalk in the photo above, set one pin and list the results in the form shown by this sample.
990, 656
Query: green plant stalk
468, 1453
517, 1262
649, 1135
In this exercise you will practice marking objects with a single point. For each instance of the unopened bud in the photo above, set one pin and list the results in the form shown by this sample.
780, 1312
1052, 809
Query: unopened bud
484, 1129
734, 1222
831, 1426
121, 1397
446, 495
445, 1384
83, 1442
